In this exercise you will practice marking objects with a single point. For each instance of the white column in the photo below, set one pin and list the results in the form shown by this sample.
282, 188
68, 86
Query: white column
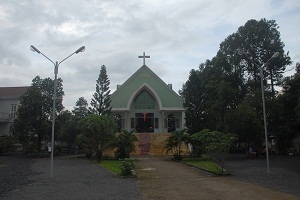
126, 121
162, 122
182, 119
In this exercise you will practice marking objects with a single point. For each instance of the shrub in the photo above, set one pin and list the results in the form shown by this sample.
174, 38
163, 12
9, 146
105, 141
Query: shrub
125, 144
6, 143
127, 166
174, 142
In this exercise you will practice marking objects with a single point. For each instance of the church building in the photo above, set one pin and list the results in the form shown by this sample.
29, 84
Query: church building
146, 104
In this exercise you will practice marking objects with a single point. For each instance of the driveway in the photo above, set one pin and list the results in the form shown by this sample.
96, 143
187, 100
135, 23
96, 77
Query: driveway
157, 178
161, 178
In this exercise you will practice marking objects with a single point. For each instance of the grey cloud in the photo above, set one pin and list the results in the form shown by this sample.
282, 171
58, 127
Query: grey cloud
177, 35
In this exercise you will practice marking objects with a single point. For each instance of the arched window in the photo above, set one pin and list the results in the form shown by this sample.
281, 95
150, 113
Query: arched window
118, 120
144, 101
171, 123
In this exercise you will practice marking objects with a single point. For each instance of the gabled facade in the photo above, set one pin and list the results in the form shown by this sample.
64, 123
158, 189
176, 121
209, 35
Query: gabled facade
9, 102
146, 104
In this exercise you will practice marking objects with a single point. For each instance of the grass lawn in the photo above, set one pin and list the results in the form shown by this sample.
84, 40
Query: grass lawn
204, 164
111, 165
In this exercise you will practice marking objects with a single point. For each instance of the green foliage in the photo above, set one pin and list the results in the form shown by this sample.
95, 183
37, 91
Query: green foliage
127, 166
174, 142
101, 99
204, 163
125, 144
6, 143
194, 101
34, 115
112, 165
215, 143
259, 40
81, 108
245, 122
121, 167
288, 124
224, 94
97, 133
67, 128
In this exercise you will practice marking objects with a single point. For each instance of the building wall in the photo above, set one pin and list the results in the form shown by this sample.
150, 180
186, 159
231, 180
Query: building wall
8, 109
150, 144
9, 102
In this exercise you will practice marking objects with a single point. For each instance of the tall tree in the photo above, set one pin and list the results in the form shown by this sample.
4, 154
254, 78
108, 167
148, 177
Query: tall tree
259, 40
67, 128
208, 94
192, 93
81, 108
289, 124
33, 122
101, 99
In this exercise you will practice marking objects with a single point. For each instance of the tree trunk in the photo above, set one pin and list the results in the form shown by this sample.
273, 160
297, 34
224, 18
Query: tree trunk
99, 155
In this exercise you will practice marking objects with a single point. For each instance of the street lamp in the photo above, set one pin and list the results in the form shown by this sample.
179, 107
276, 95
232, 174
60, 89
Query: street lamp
56, 64
241, 52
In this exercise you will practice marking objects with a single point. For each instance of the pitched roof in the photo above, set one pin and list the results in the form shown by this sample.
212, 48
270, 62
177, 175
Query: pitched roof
141, 79
12, 92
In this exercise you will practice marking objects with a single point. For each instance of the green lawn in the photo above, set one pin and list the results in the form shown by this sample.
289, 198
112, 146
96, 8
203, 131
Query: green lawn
111, 165
203, 163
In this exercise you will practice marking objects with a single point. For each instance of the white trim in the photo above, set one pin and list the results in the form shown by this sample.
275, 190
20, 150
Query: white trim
150, 90
162, 109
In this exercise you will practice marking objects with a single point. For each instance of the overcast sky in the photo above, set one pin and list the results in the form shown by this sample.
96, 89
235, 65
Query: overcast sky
177, 34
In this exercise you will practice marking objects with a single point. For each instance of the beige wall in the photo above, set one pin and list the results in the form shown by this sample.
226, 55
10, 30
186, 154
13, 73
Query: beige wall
150, 144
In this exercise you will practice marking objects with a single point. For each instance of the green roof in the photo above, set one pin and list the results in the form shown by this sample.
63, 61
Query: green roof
145, 78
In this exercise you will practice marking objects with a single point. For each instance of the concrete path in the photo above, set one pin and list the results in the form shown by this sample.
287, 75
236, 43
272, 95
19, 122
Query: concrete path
161, 178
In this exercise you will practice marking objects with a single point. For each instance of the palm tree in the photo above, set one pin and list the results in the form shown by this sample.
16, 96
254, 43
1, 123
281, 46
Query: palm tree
125, 144
174, 142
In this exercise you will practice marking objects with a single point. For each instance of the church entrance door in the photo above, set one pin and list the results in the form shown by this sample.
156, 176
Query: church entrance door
144, 122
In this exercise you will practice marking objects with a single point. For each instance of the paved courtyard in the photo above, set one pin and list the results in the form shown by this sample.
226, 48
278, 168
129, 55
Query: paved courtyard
157, 178
284, 171
74, 178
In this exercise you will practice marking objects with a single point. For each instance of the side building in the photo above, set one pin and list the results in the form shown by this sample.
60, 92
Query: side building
9, 102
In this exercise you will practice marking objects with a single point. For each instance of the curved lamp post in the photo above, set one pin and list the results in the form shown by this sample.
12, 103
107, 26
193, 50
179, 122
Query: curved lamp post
56, 64
241, 52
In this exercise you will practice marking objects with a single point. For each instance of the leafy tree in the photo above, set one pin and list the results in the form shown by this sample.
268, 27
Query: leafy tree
125, 144
101, 98
216, 143
209, 94
289, 117
245, 122
81, 108
194, 100
67, 128
228, 86
174, 142
98, 133
34, 115
259, 40
6, 143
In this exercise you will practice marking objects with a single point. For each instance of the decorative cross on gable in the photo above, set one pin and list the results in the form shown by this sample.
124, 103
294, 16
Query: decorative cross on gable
144, 57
